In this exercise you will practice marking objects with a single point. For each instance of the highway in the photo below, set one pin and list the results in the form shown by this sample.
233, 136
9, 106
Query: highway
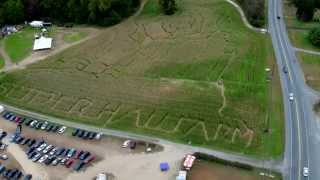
302, 129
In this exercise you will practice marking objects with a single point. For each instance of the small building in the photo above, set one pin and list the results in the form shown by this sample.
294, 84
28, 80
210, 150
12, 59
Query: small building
42, 43
36, 24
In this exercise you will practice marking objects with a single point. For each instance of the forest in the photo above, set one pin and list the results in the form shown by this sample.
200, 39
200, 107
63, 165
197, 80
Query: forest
97, 12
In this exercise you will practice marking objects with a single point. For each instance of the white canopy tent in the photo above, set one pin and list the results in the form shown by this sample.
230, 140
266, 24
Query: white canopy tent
42, 43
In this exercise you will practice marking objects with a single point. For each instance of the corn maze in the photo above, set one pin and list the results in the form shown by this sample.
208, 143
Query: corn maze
184, 77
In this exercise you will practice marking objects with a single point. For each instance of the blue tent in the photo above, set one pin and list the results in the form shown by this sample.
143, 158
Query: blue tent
164, 166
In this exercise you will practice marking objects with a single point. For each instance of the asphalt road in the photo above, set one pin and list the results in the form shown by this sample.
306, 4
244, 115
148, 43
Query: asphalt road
301, 136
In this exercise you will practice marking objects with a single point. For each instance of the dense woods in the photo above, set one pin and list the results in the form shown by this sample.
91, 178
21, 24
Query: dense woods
306, 8
100, 12
255, 11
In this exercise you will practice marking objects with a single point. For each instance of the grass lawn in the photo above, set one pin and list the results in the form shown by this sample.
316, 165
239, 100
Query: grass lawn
74, 37
311, 66
19, 45
1, 62
300, 40
197, 76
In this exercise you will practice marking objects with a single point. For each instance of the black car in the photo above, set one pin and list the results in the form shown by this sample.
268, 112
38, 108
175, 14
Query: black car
2, 169
60, 151
12, 173
74, 133
92, 135
6, 173
49, 160
85, 135
25, 141
49, 127
81, 133
30, 150
28, 177
19, 139
3, 135
84, 155
78, 166
38, 143
23, 120
38, 125
31, 142
17, 175
28, 122
66, 152
31, 155
55, 128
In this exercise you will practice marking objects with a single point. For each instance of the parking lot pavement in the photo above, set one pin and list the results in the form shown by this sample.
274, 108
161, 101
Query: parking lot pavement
123, 163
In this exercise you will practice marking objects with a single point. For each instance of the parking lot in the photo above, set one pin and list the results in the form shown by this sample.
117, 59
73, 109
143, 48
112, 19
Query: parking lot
110, 156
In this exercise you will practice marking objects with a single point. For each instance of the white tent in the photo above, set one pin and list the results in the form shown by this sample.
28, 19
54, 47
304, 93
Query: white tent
36, 24
42, 43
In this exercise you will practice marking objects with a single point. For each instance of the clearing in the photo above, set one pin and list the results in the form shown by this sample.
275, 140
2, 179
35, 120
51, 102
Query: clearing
311, 65
74, 36
195, 77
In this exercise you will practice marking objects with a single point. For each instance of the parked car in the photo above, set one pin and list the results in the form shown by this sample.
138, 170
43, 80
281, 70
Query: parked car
126, 143
49, 127
17, 175
30, 150
85, 135
19, 139
2, 169
36, 157
69, 163
48, 149
49, 160
98, 136
31, 142
3, 157
31, 155
63, 161
53, 151
42, 147
33, 123
62, 130
44, 125
71, 153
38, 125
78, 166
89, 159
3, 135
80, 134
27, 177
43, 158
84, 155
28, 122
60, 151
6, 173
56, 161
92, 135
66, 152
39, 143
55, 128
75, 133
132, 144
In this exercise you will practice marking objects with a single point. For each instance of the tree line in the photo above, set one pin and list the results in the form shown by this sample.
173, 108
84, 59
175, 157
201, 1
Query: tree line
254, 11
99, 12
306, 9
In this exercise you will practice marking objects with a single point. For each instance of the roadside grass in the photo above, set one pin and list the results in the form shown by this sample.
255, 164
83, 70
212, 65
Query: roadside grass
311, 65
1, 62
197, 77
74, 37
300, 40
19, 45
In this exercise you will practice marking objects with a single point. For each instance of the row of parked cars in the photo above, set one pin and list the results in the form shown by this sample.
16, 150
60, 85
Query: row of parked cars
33, 123
86, 134
14, 173
48, 154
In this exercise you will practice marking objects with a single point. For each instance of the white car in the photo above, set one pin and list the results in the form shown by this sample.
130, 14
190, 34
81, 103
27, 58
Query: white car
47, 149
98, 136
44, 125
43, 158
291, 97
126, 144
44, 145
53, 151
305, 172
33, 123
62, 129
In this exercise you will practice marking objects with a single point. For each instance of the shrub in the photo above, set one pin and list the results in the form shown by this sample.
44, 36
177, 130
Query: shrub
255, 11
314, 36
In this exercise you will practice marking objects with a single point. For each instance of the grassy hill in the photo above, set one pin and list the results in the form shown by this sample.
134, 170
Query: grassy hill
198, 76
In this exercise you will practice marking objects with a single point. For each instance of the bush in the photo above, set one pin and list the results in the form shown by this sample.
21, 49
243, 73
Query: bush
255, 11
169, 7
314, 36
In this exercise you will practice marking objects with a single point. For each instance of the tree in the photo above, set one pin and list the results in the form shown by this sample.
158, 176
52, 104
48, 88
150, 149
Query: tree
13, 11
305, 9
169, 7
314, 36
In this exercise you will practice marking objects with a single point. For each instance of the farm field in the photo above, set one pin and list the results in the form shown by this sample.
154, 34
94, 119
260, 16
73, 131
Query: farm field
196, 77
311, 66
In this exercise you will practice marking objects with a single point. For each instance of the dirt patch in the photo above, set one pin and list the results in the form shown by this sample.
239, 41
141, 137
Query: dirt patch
210, 171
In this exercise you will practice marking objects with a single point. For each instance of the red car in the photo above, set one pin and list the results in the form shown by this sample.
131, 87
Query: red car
69, 163
78, 154
89, 159
17, 119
